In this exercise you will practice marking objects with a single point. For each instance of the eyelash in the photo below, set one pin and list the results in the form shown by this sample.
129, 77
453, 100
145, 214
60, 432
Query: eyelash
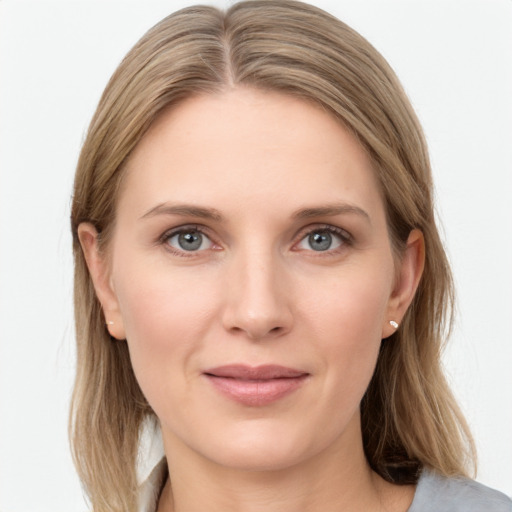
164, 239
344, 236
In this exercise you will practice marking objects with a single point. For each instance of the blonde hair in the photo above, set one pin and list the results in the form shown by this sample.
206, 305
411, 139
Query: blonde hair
410, 419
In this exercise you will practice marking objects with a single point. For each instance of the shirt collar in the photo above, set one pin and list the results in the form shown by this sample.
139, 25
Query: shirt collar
151, 465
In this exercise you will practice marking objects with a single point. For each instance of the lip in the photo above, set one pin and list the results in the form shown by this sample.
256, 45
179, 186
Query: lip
255, 385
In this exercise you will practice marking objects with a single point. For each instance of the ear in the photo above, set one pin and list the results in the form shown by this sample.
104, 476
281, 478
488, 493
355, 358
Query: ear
99, 269
409, 273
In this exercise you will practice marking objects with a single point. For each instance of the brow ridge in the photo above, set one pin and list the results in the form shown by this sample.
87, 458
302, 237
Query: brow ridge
213, 214
187, 210
330, 210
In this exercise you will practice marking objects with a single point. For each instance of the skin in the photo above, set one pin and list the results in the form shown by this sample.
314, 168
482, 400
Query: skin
256, 292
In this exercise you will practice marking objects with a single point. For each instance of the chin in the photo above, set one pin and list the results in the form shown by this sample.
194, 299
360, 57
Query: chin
258, 457
264, 446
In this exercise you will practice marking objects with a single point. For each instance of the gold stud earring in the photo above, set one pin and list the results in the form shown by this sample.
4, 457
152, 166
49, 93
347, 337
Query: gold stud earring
393, 324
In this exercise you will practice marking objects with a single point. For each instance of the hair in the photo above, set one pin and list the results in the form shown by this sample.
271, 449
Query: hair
410, 419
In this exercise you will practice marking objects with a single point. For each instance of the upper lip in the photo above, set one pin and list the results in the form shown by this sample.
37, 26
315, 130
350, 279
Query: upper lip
263, 372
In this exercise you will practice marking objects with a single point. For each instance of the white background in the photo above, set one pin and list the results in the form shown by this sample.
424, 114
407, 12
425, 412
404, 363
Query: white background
455, 60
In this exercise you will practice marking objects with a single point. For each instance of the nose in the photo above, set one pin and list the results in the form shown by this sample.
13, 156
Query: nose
257, 302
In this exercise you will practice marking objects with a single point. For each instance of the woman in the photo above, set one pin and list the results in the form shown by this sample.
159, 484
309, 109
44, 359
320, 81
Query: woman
259, 278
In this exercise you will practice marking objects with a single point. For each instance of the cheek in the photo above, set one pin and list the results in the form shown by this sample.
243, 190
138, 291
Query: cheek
347, 320
165, 319
350, 307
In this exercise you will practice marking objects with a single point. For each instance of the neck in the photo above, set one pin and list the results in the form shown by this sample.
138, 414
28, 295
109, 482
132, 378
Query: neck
338, 480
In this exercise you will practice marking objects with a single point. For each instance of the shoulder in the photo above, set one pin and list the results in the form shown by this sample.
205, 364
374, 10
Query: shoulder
436, 493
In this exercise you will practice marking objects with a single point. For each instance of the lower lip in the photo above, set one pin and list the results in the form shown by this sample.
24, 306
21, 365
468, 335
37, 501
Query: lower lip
256, 392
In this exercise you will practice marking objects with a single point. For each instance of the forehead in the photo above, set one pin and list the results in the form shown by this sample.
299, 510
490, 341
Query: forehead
243, 147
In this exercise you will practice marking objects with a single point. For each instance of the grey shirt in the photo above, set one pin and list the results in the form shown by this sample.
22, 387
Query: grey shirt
436, 493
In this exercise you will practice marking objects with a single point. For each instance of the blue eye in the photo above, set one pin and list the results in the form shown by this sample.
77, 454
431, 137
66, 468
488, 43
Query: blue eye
189, 240
323, 239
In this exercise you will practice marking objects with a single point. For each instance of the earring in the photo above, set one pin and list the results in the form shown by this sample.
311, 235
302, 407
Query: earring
393, 324
109, 322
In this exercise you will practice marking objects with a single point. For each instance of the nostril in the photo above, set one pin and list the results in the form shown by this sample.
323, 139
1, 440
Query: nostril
255, 317
257, 332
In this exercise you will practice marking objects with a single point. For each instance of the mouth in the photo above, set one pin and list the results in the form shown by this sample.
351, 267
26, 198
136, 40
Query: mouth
255, 386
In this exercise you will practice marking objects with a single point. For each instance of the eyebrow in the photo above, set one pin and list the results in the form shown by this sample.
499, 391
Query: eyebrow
213, 214
331, 211
184, 210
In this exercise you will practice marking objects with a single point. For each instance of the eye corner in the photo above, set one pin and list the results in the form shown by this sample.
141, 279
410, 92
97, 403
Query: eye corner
327, 238
188, 241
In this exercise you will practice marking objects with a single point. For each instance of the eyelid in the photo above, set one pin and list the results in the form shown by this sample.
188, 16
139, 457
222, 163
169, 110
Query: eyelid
182, 228
346, 237
185, 228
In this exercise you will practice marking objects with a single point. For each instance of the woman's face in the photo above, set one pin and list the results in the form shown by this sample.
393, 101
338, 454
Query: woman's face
251, 272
